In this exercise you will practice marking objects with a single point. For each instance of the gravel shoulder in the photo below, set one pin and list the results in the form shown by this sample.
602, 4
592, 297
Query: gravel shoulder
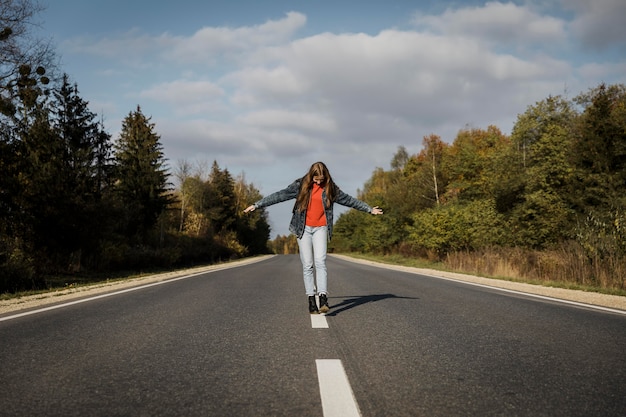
69, 294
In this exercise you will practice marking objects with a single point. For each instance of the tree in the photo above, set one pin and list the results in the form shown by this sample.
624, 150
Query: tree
23, 63
542, 138
349, 233
384, 189
424, 173
87, 145
399, 160
600, 148
141, 175
469, 162
42, 194
599, 155
85, 155
453, 227
182, 173
253, 229
194, 192
284, 245
23, 57
103, 161
221, 205
23, 80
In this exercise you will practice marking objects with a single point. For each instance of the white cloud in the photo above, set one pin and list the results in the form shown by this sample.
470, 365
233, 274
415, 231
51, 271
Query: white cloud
599, 23
603, 71
212, 44
267, 84
287, 119
495, 23
260, 99
185, 98
207, 45
130, 47
357, 97
422, 79
181, 91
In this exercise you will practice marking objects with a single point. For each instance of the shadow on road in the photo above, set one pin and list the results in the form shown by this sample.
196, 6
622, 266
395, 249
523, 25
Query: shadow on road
352, 301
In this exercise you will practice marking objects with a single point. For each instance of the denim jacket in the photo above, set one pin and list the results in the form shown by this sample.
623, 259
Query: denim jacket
298, 220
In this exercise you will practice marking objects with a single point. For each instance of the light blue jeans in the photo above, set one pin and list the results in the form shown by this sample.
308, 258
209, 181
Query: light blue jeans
312, 246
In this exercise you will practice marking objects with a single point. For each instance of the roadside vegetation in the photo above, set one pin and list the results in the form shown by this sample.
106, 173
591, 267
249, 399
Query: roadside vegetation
503, 274
77, 205
545, 204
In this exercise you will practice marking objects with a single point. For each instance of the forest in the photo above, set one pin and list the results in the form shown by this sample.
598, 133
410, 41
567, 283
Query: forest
78, 205
75, 204
546, 202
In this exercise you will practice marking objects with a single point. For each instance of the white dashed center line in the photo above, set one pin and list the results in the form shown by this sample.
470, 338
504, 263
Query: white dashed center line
337, 396
318, 321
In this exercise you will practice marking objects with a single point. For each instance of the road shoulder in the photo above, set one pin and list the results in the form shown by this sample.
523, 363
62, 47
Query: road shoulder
584, 297
69, 294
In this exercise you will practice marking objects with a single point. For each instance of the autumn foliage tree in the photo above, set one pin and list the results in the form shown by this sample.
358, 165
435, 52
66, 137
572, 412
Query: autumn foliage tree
556, 182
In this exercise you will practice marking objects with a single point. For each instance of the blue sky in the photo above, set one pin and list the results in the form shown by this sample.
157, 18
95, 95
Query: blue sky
266, 88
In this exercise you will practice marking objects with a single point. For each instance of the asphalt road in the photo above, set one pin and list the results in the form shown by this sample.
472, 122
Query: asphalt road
240, 342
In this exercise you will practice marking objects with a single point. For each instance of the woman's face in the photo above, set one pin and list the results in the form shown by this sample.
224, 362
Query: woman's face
319, 179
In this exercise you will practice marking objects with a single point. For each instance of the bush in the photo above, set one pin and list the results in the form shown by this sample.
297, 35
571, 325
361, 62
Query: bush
457, 227
17, 270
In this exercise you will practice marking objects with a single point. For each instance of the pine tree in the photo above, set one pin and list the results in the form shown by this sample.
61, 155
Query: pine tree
221, 205
84, 153
80, 133
141, 175
47, 219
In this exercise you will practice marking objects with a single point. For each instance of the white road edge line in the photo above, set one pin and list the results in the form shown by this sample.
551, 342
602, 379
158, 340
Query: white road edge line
318, 321
337, 396
531, 295
476, 284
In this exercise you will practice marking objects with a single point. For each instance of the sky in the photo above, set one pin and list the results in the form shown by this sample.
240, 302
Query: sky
266, 88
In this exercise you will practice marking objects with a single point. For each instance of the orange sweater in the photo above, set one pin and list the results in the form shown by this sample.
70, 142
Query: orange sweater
315, 214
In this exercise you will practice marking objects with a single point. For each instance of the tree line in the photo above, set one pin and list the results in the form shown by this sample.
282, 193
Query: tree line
75, 201
554, 186
548, 199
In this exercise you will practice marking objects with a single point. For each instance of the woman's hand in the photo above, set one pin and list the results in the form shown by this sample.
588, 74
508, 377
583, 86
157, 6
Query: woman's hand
249, 209
377, 210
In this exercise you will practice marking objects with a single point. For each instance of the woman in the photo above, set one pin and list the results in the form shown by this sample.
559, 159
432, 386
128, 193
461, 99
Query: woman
312, 223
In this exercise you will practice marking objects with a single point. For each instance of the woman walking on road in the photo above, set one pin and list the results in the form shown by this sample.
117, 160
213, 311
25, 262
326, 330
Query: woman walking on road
312, 223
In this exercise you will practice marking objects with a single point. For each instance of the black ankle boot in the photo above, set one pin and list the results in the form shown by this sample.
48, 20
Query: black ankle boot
313, 305
324, 304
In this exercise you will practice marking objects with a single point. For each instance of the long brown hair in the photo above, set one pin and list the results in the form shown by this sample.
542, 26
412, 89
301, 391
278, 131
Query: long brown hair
318, 169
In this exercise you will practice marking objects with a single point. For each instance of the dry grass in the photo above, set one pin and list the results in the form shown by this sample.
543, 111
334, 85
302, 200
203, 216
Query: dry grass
567, 265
